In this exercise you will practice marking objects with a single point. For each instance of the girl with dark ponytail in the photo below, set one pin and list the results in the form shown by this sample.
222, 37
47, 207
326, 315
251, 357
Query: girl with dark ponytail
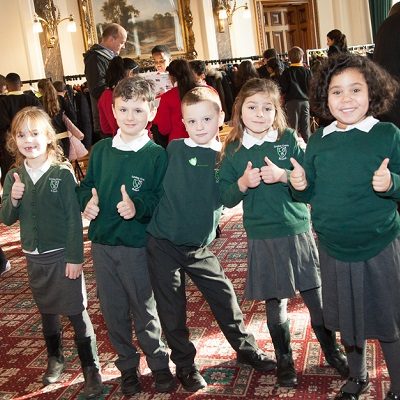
337, 42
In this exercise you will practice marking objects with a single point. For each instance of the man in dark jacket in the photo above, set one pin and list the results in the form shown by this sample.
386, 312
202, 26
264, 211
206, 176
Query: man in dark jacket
387, 54
10, 104
96, 61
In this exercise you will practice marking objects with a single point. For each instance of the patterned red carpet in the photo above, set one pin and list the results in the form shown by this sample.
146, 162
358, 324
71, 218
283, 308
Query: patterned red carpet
23, 354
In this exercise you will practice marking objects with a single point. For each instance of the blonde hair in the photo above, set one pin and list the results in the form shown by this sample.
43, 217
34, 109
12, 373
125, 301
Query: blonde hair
34, 117
50, 97
296, 54
202, 93
253, 86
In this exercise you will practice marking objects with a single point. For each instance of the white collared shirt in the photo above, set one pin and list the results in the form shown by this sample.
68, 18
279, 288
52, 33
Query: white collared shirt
249, 141
365, 125
36, 173
213, 145
134, 145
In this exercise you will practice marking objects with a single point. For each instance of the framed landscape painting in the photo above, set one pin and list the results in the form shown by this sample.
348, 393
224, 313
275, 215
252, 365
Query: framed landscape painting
148, 23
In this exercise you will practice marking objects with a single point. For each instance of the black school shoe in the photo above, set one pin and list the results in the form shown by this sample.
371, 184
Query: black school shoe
257, 359
130, 384
191, 379
163, 380
362, 387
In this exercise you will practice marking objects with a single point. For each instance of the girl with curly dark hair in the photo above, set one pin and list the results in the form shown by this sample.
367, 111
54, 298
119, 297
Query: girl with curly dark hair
351, 178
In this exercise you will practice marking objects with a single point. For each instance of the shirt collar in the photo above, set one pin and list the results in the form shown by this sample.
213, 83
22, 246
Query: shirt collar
36, 173
15, 92
297, 64
134, 145
43, 168
213, 145
365, 125
249, 141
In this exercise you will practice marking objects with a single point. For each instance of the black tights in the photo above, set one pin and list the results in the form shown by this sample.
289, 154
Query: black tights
80, 322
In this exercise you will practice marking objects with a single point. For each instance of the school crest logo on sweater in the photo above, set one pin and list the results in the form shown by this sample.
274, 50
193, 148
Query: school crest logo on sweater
54, 183
282, 151
137, 183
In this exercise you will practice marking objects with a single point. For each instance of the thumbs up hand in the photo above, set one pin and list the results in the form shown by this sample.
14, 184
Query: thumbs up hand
17, 190
92, 207
250, 179
271, 173
382, 180
298, 176
126, 207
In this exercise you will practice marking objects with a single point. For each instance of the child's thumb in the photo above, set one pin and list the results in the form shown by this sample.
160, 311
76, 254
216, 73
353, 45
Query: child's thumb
16, 177
249, 165
124, 194
268, 161
384, 164
95, 196
295, 164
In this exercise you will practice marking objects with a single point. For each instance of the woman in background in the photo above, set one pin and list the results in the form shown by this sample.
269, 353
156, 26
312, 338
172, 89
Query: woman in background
169, 115
118, 69
55, 109
245, 72
336, 42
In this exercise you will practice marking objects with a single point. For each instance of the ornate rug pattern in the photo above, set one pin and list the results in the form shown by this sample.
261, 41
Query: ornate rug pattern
23, 354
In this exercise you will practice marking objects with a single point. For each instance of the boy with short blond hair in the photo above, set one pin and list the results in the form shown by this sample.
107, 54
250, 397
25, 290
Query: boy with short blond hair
118, 195
182, 227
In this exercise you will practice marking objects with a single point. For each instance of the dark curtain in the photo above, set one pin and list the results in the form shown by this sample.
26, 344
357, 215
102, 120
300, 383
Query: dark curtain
379, 10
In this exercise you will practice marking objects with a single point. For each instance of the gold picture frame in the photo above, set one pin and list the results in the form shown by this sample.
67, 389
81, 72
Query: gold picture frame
169, 27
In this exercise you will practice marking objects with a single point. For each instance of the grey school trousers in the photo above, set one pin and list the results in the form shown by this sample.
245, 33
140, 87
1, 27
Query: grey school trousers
126, 298
168, 265
298, 113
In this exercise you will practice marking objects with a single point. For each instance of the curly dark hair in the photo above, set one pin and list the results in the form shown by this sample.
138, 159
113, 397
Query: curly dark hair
382, 87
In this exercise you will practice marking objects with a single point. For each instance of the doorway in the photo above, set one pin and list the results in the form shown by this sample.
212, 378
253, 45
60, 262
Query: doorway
286, 23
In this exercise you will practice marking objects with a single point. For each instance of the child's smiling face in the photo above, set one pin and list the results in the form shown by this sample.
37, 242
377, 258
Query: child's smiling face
258, 114
32, 142
348, 98
202, 121
132, 116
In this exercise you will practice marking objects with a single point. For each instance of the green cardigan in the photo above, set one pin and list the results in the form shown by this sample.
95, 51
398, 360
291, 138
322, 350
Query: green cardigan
48, 212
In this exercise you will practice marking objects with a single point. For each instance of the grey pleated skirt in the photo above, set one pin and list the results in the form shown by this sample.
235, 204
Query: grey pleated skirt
52, 291
278, 267
362, 299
